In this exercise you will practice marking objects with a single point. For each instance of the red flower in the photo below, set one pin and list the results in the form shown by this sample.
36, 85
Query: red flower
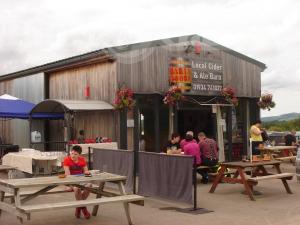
173, 95
229, 95
124, 99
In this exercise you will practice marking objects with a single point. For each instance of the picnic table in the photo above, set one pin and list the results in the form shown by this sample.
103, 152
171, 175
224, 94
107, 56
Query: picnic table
33, 161
259, 173
22, 211
6, 168
271, 150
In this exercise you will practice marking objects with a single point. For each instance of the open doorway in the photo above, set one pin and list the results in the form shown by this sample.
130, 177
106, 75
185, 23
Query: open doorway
196, 120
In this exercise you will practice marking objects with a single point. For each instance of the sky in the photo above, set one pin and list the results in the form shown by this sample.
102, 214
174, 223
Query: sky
35, 32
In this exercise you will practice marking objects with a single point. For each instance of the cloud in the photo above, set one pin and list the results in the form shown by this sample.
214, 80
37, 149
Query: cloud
35, 32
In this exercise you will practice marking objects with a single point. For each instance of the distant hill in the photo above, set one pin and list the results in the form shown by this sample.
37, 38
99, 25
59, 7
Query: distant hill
283, 117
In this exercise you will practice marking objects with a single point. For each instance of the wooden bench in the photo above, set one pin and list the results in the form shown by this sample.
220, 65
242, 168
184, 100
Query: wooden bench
209, 168
286, 158
230, 172
286, 176
81, 203
212, 175
30, 192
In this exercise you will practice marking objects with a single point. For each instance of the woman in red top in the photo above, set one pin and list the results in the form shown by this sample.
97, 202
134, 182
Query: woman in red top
75, 164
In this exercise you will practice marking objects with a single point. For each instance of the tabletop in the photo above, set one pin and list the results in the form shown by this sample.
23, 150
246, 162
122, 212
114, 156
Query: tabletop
250, 164
55, 180
277, 148
5, 167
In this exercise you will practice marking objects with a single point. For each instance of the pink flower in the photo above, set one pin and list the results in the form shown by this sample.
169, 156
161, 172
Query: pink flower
173, 95
124, 98
229, 95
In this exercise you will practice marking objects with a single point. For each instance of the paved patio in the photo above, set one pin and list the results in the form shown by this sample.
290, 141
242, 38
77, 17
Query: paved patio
274, 207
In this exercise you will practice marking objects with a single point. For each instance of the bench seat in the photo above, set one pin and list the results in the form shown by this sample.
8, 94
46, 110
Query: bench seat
30, 192
203, 167
286, 158
230, 172
81, 203
287, 176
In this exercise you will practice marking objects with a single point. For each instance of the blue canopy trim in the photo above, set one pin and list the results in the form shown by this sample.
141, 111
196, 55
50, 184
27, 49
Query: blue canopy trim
54, 116
15, 108
20, 109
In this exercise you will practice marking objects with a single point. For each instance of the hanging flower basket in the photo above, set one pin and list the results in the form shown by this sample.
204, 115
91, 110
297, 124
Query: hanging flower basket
124, 99
266, 102
173, 96
229, 95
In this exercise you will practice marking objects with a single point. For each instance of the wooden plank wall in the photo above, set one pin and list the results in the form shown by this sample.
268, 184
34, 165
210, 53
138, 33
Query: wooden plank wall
29, 88
71, 83
243, 76
5, 125
146, 70
96, 124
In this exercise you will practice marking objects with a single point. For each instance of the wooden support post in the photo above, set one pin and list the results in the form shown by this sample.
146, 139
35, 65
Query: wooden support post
136, 116
1, 198
175, 123
99, 195
123, 129
195, 184
156, 124
126, 204
229, 132
284, 182
248, 188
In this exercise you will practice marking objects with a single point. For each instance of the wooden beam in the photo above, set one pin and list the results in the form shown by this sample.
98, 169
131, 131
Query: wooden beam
123, 129
156, 110
136, 140
229, 132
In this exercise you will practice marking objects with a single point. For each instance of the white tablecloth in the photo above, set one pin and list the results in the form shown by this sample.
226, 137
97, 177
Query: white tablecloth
25, 160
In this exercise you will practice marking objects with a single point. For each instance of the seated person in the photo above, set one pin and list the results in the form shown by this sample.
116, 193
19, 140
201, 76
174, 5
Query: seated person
75, 164
290, 140
81, 139
184, 141
173, 146
192, 148
209, 154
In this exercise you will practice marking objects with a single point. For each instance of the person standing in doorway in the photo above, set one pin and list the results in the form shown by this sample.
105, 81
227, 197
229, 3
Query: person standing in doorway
81, 138
256, 137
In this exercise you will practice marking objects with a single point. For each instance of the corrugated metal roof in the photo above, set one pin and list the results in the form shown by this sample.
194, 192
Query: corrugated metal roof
62, 106
110, 53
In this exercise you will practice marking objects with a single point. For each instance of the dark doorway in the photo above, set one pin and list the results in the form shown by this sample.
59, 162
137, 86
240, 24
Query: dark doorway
200, 120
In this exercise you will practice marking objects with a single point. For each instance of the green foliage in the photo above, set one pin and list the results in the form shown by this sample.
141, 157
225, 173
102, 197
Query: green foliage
282, 125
